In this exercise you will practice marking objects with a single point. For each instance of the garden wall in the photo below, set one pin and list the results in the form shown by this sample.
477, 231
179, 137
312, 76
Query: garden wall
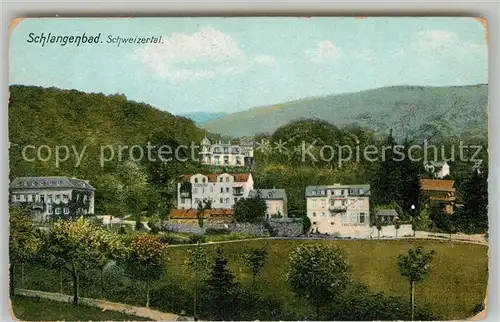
285, 227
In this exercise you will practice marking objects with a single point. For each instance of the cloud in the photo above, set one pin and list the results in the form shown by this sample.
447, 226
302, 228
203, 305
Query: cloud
436, 39
207, 53
264, 60
443, 44
322, 52
365, 55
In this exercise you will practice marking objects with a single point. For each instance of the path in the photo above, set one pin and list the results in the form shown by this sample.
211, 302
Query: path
105, 305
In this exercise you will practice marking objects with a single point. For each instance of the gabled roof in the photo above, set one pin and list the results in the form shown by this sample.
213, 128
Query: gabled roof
238, 177
321, 191
437, 185
50, 182
268, 194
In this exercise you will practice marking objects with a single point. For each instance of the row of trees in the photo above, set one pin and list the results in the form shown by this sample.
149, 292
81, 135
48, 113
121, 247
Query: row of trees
76, 246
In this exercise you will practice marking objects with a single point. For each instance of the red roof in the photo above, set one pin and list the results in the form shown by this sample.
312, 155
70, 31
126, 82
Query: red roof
238, 177
437, 185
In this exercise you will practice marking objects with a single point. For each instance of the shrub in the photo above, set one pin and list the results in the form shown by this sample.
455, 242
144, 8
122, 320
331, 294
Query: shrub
194, 239
217, 231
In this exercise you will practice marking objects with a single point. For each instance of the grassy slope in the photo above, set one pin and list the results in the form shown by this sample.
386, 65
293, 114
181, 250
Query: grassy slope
378, 108
35, 309
456, 285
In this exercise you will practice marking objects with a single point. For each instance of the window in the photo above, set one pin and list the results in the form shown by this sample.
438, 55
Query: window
343, 218
332, 223
342, 203
227, 200
227, 189
323, 214
49, 198
33, 197
65, 198
58, 211
323, 203
221, 189
235, 200
221, 200
314, 202
58, 198
66, 210
313, 192
204, 180
314, 214
361, 202
220, 179
227, 179
49, 208
361, 191
195, 180
195, 190
337, 192
362, 218
314, 223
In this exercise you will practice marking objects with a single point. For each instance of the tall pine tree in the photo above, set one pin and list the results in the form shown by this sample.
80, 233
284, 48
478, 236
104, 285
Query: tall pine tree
386, 179
221, 291
473, 216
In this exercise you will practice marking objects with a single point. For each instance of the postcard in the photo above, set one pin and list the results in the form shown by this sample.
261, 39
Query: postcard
248, 168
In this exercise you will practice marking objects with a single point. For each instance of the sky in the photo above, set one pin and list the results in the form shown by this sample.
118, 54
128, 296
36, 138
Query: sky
233, 64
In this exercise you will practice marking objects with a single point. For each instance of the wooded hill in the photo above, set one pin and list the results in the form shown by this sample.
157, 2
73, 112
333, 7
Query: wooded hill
459, 111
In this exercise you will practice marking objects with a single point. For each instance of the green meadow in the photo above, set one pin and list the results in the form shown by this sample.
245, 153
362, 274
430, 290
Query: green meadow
456, 285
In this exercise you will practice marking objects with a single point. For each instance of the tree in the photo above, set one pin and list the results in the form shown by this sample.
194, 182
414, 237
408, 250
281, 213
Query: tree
24, 239
250, 209
415, 266
255, 259
473, 216
146, 260
317, 272
378, 224
202, 206
221, 290
198, 261
386, 182
397, 225
79, 245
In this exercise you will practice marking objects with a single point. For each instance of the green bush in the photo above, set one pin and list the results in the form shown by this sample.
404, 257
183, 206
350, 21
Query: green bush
217, 231
194, 239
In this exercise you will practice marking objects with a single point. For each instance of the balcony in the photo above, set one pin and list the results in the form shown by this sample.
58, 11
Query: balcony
337, 209
184, 194
237, 192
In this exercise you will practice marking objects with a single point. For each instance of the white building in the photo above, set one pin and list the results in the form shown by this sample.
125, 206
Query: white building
226, 154
47, 196
224, 189
342, 210
438, 169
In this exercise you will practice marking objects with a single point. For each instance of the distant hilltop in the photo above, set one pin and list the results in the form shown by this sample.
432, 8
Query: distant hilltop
459, 111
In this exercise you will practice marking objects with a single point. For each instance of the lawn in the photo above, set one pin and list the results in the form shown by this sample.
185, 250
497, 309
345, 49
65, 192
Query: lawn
36, 309
456, 285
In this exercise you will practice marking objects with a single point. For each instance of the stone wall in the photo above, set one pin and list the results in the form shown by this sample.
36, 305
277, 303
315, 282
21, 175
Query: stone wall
283, 227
